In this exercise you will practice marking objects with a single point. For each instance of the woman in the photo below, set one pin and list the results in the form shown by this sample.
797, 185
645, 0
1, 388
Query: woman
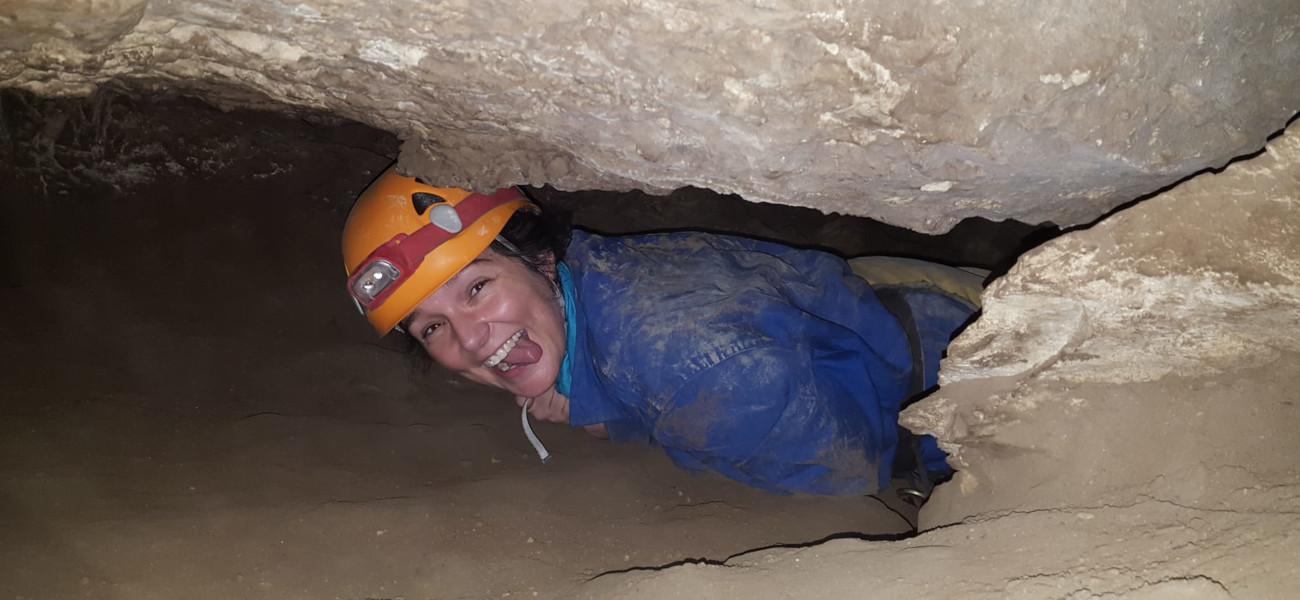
777, 367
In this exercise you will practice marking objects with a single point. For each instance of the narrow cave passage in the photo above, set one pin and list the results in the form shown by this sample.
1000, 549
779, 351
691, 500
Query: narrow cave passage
192, 406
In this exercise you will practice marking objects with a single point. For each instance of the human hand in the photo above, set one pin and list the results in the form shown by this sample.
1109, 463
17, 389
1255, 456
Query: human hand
551, 406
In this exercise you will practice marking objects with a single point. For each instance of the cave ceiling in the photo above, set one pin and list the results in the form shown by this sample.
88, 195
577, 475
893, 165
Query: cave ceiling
919, 114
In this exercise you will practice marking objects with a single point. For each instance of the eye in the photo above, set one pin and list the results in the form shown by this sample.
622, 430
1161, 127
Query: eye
430, 329
477, 287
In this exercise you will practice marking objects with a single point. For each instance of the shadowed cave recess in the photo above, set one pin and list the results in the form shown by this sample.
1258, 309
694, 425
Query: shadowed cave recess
186, 350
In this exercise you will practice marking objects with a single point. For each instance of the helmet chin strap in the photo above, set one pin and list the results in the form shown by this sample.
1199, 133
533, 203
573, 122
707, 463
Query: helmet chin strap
536, 442
532, 437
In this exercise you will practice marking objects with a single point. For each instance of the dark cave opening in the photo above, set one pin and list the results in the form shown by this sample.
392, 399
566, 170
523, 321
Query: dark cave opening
181, 363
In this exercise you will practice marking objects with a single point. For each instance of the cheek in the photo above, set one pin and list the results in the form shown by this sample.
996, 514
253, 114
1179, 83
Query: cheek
445, 357
547, 315
530, 304
474, 377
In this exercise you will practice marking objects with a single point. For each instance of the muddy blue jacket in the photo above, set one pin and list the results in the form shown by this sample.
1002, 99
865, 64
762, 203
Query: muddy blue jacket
774, 366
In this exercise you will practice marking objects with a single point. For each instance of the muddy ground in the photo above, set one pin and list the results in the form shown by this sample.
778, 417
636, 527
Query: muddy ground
191, 408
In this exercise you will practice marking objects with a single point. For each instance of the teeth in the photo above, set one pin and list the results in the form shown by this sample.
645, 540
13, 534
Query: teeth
494, 361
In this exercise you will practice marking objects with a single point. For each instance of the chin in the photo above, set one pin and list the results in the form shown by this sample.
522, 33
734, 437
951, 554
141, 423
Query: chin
539, 384
534, 390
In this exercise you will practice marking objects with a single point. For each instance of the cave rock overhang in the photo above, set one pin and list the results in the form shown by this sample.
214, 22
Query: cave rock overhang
917, 116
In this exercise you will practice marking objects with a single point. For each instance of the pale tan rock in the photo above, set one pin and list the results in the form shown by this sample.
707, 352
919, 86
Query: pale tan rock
1174, 321
918, 115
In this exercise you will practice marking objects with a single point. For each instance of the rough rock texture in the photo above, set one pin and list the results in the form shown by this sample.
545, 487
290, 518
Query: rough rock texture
1124, 414
916, 114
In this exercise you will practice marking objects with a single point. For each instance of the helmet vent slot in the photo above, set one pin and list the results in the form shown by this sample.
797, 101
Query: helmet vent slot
423, 200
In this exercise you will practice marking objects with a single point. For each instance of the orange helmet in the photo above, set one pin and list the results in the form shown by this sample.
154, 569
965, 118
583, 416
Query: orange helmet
404, 240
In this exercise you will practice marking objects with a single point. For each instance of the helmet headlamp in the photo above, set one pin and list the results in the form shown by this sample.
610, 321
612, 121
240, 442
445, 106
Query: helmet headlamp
370, 283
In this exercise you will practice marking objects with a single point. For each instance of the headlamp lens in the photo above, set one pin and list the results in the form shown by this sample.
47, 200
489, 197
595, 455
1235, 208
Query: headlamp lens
373, 280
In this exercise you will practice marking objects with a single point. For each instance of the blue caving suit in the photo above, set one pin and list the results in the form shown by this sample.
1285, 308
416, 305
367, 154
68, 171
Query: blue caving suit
774, 366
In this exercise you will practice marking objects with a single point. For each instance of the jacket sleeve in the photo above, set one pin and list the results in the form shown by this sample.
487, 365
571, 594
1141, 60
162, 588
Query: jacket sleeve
767, 417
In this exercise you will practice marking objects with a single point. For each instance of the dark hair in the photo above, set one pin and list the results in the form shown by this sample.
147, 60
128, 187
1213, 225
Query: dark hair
532, 234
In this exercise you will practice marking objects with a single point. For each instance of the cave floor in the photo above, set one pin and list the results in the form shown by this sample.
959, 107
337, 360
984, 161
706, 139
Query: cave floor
192, 409
131, 494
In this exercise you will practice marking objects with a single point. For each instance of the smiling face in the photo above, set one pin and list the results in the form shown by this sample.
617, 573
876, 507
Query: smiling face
498, 323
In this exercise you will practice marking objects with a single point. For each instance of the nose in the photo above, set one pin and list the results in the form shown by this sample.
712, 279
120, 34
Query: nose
472, 333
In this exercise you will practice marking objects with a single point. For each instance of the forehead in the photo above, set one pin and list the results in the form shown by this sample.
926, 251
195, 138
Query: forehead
488, 261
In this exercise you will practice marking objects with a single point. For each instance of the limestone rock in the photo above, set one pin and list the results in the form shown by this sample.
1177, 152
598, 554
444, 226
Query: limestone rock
916, 114
1124, 415
1174, 321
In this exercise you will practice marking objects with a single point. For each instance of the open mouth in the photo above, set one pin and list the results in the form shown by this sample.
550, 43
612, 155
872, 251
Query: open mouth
498, 359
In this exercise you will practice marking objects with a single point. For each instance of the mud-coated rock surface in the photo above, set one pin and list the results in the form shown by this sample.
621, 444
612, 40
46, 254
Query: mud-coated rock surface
916, 114
1124, 415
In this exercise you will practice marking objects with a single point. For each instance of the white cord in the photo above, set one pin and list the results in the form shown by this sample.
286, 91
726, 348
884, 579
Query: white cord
532, 437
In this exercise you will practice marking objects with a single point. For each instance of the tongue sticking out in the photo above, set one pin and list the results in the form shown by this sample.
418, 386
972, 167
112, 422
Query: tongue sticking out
525, 352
